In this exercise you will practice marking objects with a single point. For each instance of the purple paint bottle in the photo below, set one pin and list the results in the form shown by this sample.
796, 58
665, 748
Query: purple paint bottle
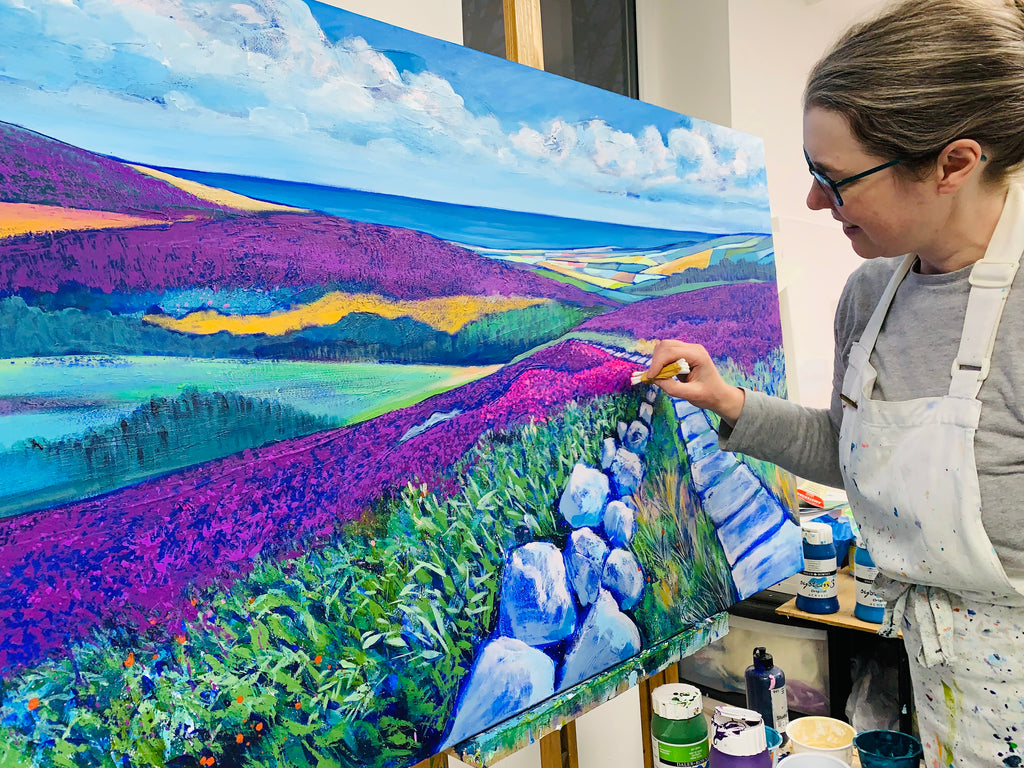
738, 739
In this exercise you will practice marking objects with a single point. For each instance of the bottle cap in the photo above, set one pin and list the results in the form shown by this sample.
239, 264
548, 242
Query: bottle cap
763, 659
677, 701
738, 731
817, 533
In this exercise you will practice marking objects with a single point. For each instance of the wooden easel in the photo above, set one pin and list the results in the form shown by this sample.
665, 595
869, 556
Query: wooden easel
523, 40
669, 675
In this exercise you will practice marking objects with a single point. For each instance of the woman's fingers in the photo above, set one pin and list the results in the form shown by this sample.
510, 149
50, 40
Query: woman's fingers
669, 352
704, 386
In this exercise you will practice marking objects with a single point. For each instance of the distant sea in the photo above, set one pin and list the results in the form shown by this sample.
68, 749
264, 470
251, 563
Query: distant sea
464, 224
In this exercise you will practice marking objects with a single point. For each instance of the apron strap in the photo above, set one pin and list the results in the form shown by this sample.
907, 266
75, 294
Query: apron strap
990, 286
990, 279
870, 334
862, 349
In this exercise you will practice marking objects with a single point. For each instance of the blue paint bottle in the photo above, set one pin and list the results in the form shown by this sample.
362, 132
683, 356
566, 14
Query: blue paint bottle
870, 607
766, 690
817, 592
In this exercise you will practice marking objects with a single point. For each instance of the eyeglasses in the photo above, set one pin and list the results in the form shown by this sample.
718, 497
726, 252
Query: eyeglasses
831, 188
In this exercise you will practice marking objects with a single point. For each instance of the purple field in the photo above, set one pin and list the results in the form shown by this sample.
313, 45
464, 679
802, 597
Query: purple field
267, 252
37, 169
738, 321
130, 557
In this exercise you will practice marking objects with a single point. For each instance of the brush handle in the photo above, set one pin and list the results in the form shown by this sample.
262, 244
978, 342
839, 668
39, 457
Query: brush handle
669, 371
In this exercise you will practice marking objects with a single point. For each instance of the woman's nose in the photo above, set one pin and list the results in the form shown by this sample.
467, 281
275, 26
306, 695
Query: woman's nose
817, 200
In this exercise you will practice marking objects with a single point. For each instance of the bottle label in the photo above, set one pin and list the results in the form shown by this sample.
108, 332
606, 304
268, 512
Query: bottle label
865, 573
818, 579
693, 755
865, 577
820, 566
780, 709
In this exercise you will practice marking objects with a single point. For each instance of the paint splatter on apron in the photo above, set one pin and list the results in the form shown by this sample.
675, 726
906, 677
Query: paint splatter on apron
911, 476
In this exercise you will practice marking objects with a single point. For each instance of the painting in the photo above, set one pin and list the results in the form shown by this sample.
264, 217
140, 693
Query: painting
317, 436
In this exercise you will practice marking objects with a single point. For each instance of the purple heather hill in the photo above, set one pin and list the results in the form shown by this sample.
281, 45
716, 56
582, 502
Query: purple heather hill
738, 321
40, 170
270, 251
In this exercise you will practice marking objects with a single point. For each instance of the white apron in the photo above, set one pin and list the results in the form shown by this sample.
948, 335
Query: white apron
911, 477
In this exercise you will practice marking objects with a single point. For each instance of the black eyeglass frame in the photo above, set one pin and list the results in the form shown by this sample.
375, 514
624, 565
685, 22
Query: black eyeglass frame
831, 187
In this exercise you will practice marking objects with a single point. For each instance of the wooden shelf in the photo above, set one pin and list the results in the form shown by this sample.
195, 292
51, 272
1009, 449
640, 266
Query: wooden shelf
843, 617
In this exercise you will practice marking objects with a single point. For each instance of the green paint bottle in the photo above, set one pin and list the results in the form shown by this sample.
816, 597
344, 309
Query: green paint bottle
679, 729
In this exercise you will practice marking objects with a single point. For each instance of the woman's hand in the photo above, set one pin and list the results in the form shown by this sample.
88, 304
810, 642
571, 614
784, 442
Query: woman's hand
704, 386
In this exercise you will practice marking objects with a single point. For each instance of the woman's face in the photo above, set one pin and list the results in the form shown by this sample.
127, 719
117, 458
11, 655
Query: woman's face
883, 214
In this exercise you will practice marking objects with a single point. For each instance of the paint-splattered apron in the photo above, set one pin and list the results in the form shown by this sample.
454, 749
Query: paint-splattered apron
912, 480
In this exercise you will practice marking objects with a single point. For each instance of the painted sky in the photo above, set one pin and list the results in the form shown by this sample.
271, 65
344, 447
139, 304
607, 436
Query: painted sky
299, 91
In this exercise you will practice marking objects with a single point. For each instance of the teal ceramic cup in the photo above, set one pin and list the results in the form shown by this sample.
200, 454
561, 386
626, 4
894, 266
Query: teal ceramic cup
887, 749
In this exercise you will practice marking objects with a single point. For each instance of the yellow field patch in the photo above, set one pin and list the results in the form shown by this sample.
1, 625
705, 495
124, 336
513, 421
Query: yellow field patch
29, 218
215, 194
694, 260
448, 314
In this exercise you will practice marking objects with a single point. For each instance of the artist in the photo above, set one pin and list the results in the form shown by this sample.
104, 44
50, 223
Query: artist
913, 125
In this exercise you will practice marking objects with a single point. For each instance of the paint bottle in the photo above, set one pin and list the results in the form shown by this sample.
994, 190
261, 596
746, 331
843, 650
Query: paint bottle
817, 592
738, 739
766, 690
679, 731
870, 607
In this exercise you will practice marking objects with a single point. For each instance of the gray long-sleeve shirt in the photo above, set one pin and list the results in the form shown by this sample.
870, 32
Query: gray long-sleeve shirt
913, 357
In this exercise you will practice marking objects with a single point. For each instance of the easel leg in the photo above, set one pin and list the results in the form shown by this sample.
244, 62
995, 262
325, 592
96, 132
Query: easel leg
669, 675
551, 750
569, 745
558, 749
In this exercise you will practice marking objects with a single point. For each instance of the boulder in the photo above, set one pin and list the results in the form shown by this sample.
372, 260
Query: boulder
637, 435
508, 676
536, 604
619, 523
623, 577
584, 559
627, 471
584, 497
608, 449
607, 637
646, 413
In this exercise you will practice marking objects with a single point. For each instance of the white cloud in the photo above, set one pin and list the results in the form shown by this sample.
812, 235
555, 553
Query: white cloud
300, 90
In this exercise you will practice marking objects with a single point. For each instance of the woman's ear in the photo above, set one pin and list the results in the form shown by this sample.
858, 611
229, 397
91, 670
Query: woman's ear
956, 164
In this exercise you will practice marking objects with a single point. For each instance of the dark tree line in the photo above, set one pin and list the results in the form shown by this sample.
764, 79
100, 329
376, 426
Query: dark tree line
162, 435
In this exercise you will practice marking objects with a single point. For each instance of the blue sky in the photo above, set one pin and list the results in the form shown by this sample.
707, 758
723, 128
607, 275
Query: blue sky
301, 91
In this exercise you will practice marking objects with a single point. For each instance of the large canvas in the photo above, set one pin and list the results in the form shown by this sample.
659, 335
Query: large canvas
317, 440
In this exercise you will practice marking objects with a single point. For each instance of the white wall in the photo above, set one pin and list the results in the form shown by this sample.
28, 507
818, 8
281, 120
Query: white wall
437, 18
683, 56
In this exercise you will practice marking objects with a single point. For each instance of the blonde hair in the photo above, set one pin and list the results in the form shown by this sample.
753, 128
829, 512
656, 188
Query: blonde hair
927, 72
